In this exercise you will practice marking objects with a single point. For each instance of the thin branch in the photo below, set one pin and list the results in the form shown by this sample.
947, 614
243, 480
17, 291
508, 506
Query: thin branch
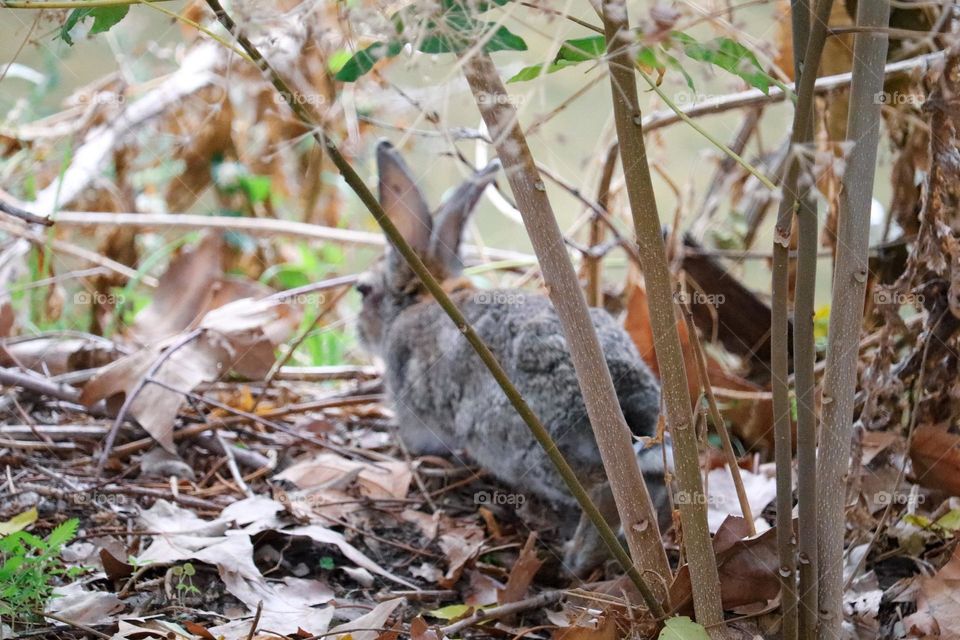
676, 395
596, 384
23, 214
846, 309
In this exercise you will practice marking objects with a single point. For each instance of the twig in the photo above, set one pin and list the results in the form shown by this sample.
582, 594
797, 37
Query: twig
718, 423
256, 621
538, 601
596, 384
23, 214
752, 97
75, 625
253, 226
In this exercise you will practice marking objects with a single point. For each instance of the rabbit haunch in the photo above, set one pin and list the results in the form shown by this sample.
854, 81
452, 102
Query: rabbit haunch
445, 399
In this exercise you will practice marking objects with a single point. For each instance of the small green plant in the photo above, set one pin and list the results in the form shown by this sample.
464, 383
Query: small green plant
184, 574
29, 568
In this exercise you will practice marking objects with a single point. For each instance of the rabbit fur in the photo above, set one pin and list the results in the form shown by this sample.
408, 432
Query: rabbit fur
444, 398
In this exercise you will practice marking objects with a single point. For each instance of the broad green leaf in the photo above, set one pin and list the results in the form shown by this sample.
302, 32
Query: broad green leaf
571, 53
104, 18
363, 60
729, 55
683, 628
18, 522
337, 60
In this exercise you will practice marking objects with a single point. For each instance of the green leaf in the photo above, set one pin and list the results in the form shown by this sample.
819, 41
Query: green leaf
256, 188
682, 628
18, 522
363, 61
571, 53
64, 533
729, 55
949, 521
104, 19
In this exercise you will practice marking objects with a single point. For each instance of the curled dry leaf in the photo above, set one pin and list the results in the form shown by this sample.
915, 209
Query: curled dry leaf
240, 336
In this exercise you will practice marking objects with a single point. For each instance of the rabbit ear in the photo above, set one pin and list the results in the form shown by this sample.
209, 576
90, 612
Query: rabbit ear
402, 200
452, 218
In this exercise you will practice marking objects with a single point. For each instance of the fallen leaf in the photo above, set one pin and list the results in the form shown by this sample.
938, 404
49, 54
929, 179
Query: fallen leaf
18, 522
522, 573
240, 336
938, 607
935, 455
362, 628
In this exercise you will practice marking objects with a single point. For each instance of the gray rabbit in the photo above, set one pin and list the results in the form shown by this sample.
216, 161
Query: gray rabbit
444, 398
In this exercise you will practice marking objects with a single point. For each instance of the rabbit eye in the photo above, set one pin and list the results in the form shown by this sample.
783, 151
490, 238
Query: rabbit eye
364, 289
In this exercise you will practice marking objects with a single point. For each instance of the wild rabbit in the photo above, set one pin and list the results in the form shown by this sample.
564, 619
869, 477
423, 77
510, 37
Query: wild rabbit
445, 400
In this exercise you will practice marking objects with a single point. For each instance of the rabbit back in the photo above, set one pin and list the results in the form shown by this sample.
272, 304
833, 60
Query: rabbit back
447, 401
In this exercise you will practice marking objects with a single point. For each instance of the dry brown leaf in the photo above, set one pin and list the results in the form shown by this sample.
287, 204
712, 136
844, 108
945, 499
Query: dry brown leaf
605, 630
522, 573
460, 545
749, 569
935, 455
240, 336
328, 479
192, 285
938, 603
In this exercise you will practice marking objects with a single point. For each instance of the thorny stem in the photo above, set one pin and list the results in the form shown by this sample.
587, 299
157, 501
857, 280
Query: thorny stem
353, 179
846, 315
676, 396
